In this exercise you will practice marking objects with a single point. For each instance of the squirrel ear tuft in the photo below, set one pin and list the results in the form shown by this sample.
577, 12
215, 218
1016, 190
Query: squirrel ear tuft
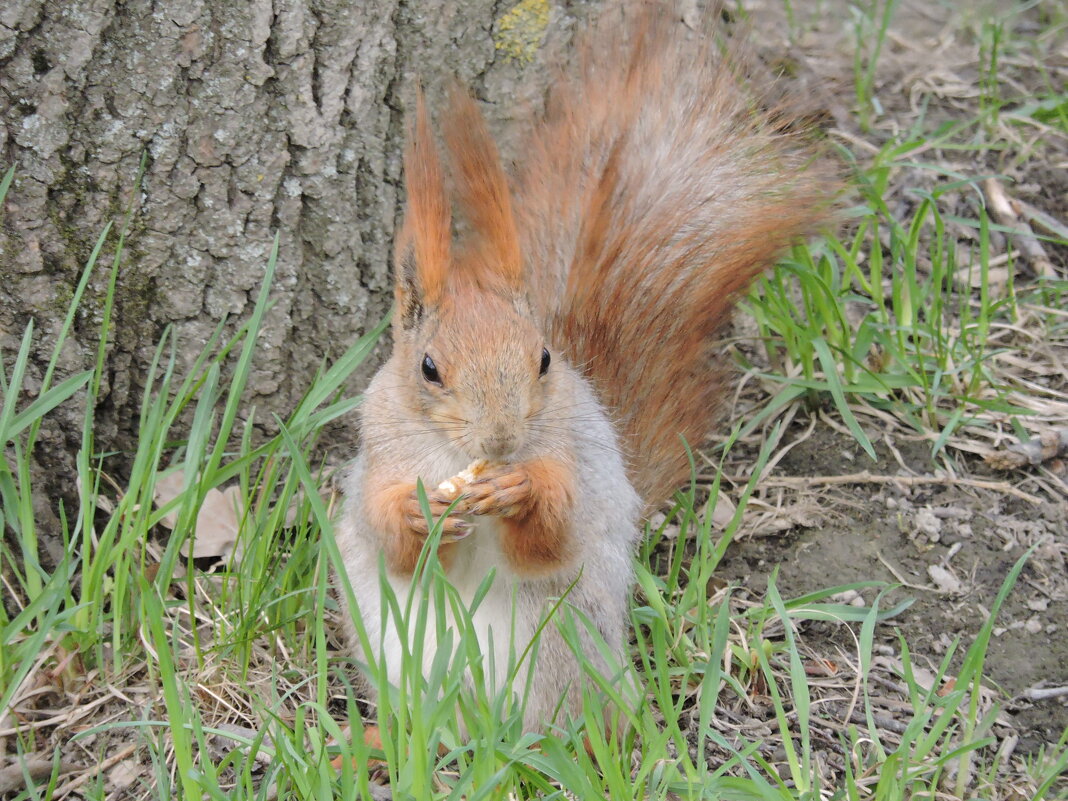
482, 191
421, 257
407, 294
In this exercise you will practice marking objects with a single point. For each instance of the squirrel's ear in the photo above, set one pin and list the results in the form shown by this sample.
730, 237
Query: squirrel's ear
421, 257
482, 189
407, 292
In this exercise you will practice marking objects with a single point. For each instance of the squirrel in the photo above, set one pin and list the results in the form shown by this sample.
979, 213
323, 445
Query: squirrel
564, 343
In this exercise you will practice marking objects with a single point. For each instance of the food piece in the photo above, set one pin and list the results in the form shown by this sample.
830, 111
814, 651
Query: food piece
452, 487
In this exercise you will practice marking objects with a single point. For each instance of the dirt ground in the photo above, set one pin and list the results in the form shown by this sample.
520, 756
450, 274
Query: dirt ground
878, 529
895, 534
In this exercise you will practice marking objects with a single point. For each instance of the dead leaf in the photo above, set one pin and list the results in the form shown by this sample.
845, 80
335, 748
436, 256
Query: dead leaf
1049, 445
218, 519
168, 487
820, 667
218, 523
124, 774
924, 678
724, 511
1001, 207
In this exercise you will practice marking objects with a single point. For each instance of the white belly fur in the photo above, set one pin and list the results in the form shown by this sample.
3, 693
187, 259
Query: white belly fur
498, 634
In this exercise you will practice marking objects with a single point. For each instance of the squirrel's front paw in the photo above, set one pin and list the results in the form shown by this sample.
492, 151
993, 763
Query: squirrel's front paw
502, 491
454, 527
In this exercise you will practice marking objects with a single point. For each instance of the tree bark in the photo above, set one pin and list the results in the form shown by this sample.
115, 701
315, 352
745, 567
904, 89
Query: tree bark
255, 117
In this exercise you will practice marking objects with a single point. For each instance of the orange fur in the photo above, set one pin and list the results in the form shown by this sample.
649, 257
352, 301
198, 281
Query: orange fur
426, 233
387, 510
654, 190
536, 538
482, 190
372, 738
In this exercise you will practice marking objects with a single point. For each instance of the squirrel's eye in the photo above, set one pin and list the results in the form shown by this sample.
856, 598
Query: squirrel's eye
430, 370
544, 362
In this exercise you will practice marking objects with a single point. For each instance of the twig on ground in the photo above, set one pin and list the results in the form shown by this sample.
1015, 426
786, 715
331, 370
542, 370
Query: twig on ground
1040, 219
1002, 209
94, 771
14, 776
1047, 446
1044, 693
67, 718
882, 721
890, 685
864, 477
903, 581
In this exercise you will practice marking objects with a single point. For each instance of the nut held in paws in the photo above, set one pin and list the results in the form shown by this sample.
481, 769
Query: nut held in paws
452, 487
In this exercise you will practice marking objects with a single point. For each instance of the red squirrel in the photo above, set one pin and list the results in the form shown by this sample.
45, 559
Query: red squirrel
561, 349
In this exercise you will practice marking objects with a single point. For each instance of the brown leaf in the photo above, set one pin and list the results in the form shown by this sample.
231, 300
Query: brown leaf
1046, 447
168, 487
124, 774
218, 519
820, 667
724, 511
218, 523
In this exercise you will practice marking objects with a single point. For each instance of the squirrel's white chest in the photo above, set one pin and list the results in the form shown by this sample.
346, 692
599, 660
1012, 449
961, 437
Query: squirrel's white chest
478, 560
501, 625
477, 555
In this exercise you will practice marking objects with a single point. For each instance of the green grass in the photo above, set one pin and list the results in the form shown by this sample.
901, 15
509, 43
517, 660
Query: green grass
255, 632
227, 682
854, 320
871, 20
894, 313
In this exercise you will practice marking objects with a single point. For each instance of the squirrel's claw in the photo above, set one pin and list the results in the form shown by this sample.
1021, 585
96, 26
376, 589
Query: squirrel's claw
454, 528
503, 493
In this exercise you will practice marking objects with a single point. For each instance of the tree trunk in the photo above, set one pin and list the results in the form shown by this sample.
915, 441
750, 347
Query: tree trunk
255, 118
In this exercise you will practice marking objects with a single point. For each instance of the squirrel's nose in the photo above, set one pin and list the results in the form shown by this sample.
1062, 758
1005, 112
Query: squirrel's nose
499, 445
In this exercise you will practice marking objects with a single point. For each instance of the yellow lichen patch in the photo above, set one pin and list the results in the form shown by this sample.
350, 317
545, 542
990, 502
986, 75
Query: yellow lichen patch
521, 29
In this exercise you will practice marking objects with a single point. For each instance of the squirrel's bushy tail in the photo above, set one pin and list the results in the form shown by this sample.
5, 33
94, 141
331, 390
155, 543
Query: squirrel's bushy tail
658, 184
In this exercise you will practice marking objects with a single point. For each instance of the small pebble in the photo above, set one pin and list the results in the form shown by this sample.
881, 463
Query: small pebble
846, 597
927, 523
943, 579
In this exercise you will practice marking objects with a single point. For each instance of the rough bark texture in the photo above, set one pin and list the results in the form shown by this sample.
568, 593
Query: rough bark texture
257, 117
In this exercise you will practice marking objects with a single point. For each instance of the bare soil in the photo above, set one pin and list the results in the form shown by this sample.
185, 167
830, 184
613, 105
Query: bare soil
930, 74
894, 534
